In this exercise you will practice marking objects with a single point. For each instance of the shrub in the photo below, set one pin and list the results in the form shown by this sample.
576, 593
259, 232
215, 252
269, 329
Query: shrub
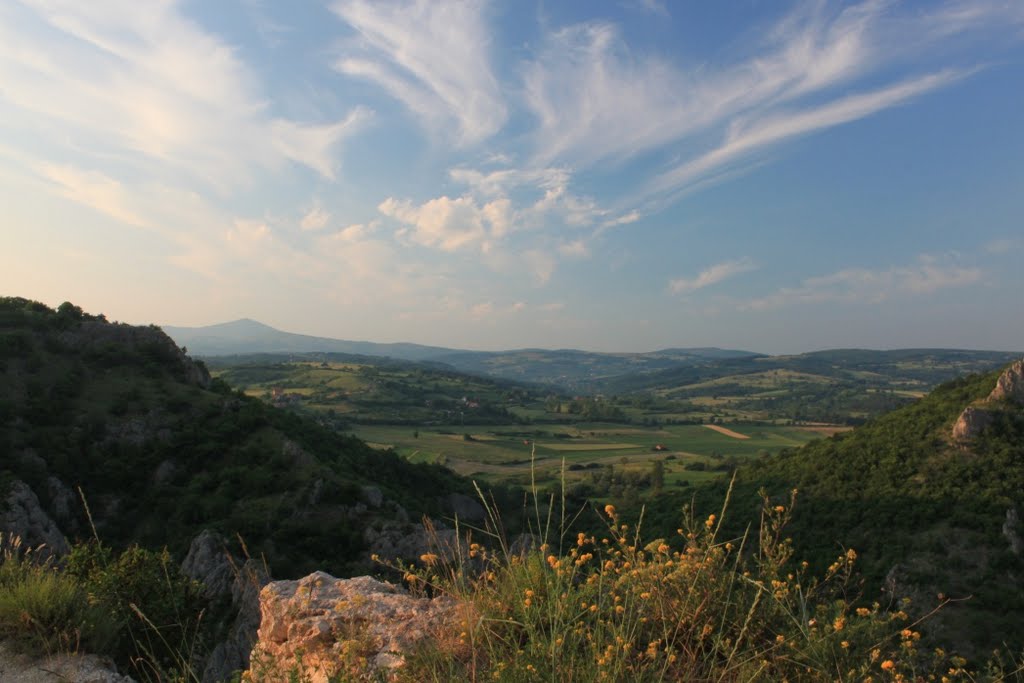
696, 607
159, 609
44, 611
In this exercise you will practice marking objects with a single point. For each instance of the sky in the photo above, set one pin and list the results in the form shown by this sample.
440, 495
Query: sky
622, 175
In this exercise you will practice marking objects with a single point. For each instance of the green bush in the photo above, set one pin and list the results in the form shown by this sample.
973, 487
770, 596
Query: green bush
159, 608
44, 611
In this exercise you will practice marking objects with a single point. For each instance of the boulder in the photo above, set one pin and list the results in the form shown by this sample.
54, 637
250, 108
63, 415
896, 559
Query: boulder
970, 423
22, 516
60, 668
320, 628
1010, 385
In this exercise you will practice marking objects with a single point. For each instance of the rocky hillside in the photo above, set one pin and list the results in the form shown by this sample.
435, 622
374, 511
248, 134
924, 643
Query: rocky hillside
930, 496
161, 452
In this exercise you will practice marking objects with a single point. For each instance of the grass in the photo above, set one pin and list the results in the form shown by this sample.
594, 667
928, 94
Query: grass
697, 607
44, 611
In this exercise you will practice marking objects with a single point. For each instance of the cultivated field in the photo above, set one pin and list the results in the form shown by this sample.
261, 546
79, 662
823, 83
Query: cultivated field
689, 453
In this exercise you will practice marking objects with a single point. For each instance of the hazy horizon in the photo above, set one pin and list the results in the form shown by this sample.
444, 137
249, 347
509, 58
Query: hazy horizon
637, 350
628, 175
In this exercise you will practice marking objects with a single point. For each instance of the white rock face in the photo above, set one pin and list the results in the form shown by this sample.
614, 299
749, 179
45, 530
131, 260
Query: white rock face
1010, 385
321, 627
970, 423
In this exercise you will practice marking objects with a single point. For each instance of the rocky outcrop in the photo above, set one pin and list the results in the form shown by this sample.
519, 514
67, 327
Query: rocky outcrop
974, 419
971, 423
320, 628
21, 516
225, 577
15, 668
1011, 531
1010, 385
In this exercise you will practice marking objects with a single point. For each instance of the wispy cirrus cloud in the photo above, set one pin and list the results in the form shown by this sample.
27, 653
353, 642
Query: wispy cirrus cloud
431, 55
143, 84
743, 140
711, 275
596, 99
861, 285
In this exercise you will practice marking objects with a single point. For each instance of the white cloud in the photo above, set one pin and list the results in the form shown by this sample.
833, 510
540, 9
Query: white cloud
315, 219
575, 249
432, 55
449, 224
710, 276
861, 285
742, 141
142, 84
595, 98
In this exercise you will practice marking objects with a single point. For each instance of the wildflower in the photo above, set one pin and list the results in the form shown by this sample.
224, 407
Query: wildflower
839, 623
610, 510
428, 558
780, 508
888, 665
711, 521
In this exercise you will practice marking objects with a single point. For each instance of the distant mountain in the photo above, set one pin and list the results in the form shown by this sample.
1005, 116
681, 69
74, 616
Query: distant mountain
250, 336
569, 368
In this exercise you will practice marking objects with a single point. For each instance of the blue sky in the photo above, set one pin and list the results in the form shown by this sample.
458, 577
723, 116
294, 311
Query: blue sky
622, 175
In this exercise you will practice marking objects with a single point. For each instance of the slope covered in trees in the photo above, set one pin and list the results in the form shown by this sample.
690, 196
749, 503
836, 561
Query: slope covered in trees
160, 451
927, 514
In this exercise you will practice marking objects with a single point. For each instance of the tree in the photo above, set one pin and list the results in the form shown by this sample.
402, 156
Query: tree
657, 475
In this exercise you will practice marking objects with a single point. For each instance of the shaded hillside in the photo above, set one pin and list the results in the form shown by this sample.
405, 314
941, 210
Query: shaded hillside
928, 514
161, 451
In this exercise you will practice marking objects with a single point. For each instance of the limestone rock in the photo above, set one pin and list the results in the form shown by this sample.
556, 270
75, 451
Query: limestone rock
1010, 385
207, 562
15, 668
224, 576
324, 627
970, 423
22, 516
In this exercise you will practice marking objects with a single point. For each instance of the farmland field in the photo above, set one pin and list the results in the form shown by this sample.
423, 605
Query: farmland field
506, 453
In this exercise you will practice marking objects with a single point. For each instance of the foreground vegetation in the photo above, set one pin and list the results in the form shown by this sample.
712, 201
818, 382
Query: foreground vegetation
698, 606
135, 607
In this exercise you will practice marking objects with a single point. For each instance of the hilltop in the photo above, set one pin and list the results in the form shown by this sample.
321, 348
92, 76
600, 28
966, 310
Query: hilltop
161, 451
